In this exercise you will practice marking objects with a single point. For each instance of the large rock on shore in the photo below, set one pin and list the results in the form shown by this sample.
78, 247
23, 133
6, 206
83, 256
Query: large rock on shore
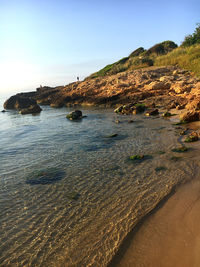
25, 105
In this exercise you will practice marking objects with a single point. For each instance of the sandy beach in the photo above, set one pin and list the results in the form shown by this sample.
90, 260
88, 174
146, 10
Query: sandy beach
170, 236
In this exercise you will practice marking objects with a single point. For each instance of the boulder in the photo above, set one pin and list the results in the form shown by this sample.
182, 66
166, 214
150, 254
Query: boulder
75, 115
24, 105
158, 85
190, 116
19, 102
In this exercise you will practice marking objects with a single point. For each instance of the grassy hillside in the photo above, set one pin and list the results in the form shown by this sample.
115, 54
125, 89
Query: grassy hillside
140, 58
187, 56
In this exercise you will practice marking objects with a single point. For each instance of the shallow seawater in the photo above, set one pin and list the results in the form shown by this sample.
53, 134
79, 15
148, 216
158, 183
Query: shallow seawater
80, 214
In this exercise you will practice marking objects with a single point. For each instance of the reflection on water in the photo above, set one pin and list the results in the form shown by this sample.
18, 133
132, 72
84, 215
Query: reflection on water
68, 195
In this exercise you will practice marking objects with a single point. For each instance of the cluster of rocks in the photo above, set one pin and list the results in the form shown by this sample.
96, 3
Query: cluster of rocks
136, 109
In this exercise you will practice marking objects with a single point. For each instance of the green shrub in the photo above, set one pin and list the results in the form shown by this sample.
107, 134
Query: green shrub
192, 39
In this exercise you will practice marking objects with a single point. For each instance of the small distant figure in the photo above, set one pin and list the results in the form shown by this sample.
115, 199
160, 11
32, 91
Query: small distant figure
78, 79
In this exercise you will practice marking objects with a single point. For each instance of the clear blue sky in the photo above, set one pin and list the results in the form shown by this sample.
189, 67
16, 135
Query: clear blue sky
51, 42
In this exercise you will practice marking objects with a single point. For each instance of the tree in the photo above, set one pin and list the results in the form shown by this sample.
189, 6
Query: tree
194, 38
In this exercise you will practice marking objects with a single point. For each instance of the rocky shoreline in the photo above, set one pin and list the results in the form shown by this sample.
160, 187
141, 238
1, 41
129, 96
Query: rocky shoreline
166, 87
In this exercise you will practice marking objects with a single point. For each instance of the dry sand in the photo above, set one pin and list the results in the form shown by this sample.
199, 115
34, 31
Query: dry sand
170, 237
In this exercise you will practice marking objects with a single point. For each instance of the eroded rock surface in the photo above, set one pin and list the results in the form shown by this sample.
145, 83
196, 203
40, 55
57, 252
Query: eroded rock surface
168, 87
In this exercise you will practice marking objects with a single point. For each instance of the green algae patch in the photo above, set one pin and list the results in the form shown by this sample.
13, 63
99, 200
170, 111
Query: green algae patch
136, 157
180, 149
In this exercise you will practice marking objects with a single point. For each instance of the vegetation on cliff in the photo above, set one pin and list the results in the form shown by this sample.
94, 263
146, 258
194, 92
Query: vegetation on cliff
187, 56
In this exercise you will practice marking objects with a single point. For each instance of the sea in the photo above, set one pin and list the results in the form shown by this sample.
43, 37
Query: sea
70, 192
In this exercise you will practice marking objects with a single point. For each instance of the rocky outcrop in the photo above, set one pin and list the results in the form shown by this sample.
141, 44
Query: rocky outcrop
169, 87
25, 105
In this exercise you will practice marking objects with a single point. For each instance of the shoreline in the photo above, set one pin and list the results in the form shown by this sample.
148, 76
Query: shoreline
169, 235
171, 191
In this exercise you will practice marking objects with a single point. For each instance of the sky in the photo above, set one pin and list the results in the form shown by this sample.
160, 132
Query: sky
51, 42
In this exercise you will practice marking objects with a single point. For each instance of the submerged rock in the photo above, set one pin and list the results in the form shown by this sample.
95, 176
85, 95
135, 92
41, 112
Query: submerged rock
46, 176
75, 115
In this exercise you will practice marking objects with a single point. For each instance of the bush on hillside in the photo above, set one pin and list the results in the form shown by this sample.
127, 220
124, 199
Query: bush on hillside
137, 52
162, 48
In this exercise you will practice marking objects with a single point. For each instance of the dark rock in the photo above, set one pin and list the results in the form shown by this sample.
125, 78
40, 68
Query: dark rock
75, 115
24, 104
3, 110
138, 108
19, 102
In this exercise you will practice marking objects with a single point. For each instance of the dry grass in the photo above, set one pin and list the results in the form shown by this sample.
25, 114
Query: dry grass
187, 58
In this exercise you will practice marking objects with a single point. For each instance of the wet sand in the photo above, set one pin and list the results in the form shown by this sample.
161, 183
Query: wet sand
170, 237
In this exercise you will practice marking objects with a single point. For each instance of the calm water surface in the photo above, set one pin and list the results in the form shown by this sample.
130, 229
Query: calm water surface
96, 197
